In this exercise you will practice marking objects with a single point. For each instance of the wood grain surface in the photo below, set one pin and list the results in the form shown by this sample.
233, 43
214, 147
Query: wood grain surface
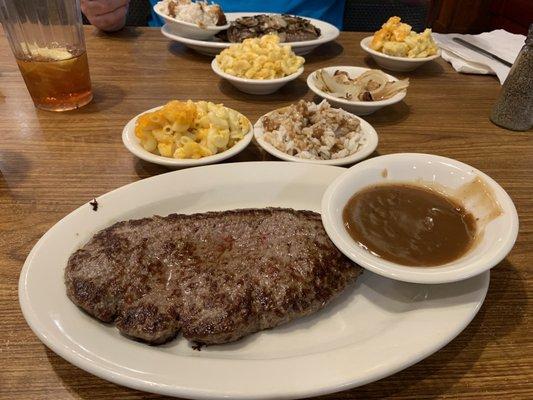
52, 163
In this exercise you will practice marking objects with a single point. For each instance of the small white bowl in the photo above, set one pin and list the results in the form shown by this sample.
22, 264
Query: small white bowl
401, 64
255, 86
188, 29
134, 146
354, 107
370, 143
497, 238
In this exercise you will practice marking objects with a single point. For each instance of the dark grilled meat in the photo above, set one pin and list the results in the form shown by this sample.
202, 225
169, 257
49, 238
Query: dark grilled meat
216, 276
288, 27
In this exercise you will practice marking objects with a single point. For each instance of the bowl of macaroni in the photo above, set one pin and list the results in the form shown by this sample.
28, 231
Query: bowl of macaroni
258, 65
397, 48
186, 133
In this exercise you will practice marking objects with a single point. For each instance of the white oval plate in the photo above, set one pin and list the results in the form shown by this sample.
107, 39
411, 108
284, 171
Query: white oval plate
134, 146
356, 107
370, 144
372, 330
328, 33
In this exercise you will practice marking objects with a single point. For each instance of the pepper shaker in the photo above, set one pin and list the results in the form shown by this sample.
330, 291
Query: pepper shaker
514, 108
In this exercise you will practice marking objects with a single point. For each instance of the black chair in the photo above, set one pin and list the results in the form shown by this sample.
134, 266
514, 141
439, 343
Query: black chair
359, 15
138, 13
368, 15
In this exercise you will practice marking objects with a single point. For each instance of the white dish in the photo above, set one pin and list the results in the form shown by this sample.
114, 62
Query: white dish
213, 47
354, 107
134, 146
373, 330
188, 29
401, 64
255, 86
370, 144
444, 174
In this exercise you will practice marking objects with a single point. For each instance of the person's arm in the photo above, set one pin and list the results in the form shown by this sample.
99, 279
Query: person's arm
107, 15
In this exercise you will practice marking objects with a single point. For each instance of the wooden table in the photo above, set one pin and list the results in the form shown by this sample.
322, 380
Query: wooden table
52, 163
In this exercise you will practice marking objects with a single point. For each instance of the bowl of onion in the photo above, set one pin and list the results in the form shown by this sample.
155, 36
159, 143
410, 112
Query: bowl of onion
358, 90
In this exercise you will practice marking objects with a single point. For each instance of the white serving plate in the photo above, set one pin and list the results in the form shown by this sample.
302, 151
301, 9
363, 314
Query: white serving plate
188, 29
400, 64
370, 144
133, 144
255, 86
372, 330
446, 175
354, 107
213, 47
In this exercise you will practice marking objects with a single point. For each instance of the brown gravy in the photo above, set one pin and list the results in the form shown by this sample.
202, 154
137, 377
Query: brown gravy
409, 225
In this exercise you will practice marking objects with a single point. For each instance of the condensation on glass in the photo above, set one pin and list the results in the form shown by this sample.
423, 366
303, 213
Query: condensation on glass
46, 37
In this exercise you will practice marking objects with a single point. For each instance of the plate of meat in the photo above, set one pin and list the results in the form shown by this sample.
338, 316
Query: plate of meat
302, 33
221, 282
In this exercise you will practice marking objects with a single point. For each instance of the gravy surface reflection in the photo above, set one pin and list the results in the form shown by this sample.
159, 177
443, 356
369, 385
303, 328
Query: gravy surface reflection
409, 225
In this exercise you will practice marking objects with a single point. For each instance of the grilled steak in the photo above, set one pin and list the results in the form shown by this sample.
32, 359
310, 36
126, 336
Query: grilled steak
289, 28
216, 276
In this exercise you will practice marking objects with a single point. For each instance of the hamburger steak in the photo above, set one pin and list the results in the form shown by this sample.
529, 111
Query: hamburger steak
216, 276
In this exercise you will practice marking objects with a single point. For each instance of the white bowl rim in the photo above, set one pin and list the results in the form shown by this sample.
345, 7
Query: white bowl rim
429, 275
365, 47
370, 146
132, 144
229, 77
335, 32
209, 28
369, 104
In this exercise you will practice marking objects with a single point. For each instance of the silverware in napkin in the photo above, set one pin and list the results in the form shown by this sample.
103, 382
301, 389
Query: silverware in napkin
481, 51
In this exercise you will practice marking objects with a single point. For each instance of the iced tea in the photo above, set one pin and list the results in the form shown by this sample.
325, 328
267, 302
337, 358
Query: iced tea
57, 78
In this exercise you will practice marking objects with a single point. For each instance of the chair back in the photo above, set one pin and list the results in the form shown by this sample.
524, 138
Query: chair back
139, 13
369, 15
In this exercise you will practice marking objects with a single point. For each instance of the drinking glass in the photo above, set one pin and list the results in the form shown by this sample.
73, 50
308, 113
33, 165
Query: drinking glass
46, 37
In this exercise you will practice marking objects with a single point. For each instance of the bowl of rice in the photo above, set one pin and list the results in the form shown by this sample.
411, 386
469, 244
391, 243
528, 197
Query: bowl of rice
315, 133
192, 19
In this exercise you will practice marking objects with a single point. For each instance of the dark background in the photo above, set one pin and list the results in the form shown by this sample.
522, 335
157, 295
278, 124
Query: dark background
458, 16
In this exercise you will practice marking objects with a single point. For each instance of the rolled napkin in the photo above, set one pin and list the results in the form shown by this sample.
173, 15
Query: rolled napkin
499, 42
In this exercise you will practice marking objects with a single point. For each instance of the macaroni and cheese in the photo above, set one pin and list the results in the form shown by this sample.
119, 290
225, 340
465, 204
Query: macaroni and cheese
396, 38
259, 58
190, 129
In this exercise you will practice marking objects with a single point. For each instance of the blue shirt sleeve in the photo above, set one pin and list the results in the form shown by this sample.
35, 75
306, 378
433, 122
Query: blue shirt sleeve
155, 20
331, 11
